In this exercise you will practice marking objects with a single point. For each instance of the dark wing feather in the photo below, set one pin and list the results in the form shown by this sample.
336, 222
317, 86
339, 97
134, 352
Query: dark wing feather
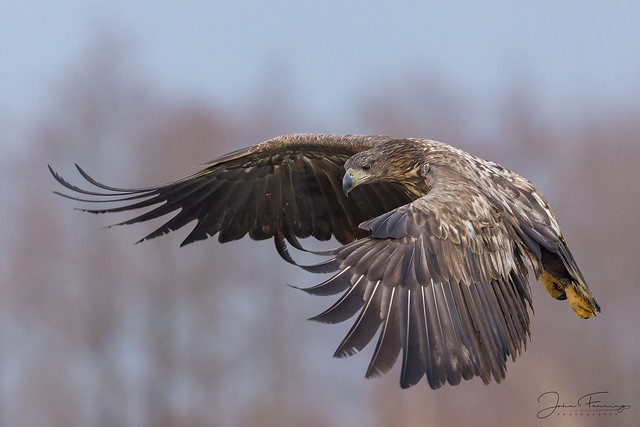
443, 286
286, 187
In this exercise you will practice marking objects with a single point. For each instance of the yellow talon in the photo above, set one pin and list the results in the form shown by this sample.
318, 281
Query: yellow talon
580, 305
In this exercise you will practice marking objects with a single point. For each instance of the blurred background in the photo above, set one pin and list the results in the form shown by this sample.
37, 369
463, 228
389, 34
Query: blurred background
97, 331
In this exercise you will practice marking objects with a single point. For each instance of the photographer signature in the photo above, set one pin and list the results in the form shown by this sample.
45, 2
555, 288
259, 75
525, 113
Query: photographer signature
590, 402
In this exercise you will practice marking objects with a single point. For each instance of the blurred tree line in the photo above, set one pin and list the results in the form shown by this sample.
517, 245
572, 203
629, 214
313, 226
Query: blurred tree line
96, 331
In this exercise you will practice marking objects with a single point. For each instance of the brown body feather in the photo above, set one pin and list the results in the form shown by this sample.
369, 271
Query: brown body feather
436, 242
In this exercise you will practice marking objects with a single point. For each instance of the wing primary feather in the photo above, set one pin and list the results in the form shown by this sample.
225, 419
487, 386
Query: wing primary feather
246, 211
187, 214
478, 360
483, 343
109, 198
451, 332
485, 326
389, 344
328, 266
318, 208
517, 301
415, 347
107, 187
500, 319
340, 282
289, 214
365, 326
182, 201
281, 247
210, 220
436, 371
346, 306
231, 225
463, 367
302, 222
521, 288
513, 325
68, 185
269, 212
428, 361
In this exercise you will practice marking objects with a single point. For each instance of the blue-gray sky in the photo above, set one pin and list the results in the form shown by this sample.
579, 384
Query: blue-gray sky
569, 52
79, 305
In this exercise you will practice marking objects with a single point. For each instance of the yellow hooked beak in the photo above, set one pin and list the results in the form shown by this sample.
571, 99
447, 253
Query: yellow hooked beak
353, 178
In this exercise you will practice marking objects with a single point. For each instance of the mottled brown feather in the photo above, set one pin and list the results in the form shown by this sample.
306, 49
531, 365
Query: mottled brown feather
436, 242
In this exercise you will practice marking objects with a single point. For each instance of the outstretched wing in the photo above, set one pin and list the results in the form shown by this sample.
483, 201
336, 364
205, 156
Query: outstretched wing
286, 187
444, 280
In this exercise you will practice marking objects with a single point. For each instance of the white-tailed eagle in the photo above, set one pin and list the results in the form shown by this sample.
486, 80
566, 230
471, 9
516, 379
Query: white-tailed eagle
436, 243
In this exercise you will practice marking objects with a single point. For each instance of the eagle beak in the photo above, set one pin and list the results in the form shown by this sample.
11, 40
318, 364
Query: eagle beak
352, 179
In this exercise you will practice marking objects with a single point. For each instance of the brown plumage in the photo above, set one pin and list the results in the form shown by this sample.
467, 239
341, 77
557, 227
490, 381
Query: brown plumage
436, 242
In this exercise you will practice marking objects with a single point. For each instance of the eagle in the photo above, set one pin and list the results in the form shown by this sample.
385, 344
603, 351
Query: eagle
435, 244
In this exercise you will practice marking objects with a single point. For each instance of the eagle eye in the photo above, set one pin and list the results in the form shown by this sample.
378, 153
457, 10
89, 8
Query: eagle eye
366, 167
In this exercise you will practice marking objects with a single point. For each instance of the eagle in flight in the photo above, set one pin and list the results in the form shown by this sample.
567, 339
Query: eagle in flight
436, 243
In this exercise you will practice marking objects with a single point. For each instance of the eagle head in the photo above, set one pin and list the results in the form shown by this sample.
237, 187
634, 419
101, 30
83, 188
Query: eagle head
397, 160
362, 167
